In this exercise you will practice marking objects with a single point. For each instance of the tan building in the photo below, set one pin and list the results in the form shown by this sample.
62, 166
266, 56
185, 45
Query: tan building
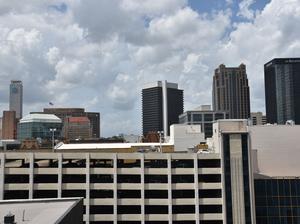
77, 128
258, 118
231, 91
9, 125
0, 127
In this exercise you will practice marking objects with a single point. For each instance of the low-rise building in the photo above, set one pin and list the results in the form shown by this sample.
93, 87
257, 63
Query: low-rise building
42, 211
9, 125
203, 116
77, 128
258, 118
39, 126
148, 187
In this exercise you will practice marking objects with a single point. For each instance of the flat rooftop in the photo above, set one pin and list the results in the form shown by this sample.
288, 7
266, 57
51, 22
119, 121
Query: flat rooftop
37, 211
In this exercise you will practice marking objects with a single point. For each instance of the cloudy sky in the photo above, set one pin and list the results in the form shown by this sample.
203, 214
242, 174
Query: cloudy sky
98, 54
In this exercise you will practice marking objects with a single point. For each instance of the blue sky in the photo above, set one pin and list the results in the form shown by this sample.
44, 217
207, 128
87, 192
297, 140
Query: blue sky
207, 6
98, 54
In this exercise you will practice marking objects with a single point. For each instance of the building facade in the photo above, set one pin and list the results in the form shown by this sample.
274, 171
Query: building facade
9, 125
16, 98
205, 118
63, 113
231, 91
162, 103
38, 126
258, 118
201, 188
77, 128
282, 81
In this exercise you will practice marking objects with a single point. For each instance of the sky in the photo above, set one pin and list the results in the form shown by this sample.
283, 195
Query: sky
98, 54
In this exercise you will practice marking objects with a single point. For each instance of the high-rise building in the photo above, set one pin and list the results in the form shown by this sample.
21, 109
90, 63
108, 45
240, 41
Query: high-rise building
16, 98
63, 113
282, 90
203, 116
9, 125
231, 91
258, 118
162, 104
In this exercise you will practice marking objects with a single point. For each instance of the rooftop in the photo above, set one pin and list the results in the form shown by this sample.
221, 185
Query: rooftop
47, 118
37, 211
78, 119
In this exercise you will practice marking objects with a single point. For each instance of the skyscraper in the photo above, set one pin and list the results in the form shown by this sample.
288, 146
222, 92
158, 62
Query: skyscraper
16, 98
282, 90
162, 105
231, 91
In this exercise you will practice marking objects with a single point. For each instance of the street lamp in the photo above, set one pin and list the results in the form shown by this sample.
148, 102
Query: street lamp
160, 136
52, 130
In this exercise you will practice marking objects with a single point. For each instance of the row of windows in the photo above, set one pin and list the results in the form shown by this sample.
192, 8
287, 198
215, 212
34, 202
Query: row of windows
106, 163
160, 222
155, 209
102, 178
159, 194
277, 187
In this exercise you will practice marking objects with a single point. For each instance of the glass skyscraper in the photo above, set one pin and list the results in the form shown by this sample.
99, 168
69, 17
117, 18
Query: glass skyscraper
282, 90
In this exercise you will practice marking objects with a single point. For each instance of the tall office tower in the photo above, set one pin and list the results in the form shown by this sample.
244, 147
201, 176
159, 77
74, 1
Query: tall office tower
16, 98
9, 125
282, 90
231, 91
162, 104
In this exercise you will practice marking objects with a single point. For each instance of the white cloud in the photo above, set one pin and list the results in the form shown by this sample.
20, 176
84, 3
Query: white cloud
244, 9
98, 54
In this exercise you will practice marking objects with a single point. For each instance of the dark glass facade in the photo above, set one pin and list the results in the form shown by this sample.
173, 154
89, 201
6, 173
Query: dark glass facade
277, 201
152, 103
282, 82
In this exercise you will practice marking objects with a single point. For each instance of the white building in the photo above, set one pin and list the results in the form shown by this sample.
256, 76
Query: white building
142, 187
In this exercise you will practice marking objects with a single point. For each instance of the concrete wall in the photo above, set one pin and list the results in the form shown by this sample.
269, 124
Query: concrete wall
185, 136
277, 149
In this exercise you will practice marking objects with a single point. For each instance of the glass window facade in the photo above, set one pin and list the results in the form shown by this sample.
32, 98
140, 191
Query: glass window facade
277, 201
34, 130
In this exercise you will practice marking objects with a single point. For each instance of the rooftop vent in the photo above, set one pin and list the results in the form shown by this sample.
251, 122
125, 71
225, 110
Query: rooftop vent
9, 219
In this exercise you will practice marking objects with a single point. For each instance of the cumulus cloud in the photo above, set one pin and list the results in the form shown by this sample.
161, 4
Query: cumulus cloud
99, 54
244, 9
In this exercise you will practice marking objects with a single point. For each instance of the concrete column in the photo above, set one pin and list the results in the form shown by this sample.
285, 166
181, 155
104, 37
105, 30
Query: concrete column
237, 181
165, 107
142, 189
115, 168
87, 188
2, 175
31, 174
196, 185
59, 173
170, 189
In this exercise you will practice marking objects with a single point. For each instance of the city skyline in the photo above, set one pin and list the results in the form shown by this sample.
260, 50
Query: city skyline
78, 58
